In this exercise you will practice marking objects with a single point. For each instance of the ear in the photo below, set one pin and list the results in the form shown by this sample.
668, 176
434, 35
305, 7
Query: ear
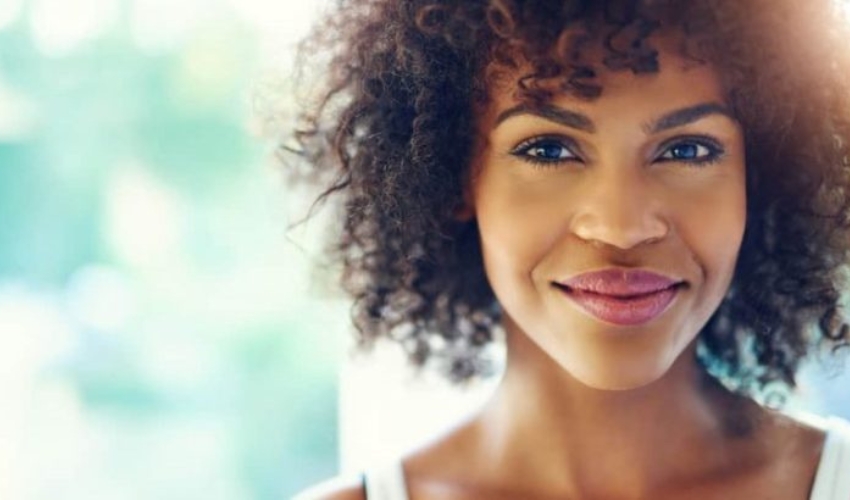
465, 210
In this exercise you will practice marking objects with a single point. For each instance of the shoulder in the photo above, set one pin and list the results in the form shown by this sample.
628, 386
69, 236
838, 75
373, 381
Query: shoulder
796, 436
339, 488
831, 427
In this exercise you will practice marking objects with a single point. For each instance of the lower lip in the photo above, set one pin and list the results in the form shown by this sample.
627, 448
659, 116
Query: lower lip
624, 311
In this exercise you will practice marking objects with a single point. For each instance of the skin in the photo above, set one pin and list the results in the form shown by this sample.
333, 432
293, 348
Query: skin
620, 198
611, 411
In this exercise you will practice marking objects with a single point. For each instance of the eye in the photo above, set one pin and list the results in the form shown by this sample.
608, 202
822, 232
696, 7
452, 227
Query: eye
545, 150
692, 150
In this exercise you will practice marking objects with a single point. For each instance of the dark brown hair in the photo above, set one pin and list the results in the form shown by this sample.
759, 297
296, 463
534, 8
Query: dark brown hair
393, 134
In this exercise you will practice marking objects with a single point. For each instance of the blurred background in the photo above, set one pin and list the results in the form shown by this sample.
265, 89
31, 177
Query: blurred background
163, 336
159, 340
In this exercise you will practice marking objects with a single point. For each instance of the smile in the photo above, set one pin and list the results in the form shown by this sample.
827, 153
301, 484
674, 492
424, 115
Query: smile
622, 297
633, 310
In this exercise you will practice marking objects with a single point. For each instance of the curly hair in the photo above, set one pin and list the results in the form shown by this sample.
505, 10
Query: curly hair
393, 134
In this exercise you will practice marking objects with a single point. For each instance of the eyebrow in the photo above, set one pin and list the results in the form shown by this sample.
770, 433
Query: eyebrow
552, 113
688, 115
573, 119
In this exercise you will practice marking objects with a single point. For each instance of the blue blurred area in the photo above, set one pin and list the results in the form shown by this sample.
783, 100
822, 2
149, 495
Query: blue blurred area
159, 340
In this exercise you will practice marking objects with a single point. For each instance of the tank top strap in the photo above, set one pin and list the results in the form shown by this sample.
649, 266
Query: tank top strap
832, 480
385, 482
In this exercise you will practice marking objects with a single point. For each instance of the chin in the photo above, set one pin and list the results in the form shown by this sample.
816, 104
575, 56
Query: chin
615, 378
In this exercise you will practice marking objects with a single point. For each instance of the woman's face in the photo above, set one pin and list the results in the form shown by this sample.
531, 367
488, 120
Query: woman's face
610, 228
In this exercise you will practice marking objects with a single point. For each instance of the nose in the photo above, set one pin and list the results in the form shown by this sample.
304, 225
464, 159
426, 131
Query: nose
620, 209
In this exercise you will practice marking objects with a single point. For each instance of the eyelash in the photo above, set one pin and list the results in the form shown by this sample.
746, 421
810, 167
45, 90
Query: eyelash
522, 150
714, 149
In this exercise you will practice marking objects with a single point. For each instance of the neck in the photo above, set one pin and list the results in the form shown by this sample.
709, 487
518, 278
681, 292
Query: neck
585, 442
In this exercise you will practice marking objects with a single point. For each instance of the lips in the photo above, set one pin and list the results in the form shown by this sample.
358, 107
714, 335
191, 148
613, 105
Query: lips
622, 296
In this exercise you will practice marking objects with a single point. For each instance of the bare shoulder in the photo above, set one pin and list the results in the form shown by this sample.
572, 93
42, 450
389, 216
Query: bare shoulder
339, 488
797, 444
806, 431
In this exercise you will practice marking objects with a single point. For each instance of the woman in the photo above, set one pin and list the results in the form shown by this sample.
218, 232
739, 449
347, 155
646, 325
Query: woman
649, 198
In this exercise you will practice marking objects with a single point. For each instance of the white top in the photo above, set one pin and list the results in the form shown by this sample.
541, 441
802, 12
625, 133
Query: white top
832, 479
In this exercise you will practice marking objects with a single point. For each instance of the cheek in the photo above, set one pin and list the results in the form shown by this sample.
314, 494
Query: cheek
717, 221
517, 226
517, 231
712, 224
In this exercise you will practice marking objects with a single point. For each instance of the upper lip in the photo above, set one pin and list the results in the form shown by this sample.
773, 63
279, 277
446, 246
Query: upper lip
620, 282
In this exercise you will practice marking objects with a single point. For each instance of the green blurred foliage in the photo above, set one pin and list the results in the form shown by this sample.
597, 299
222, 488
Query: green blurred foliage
140, 213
